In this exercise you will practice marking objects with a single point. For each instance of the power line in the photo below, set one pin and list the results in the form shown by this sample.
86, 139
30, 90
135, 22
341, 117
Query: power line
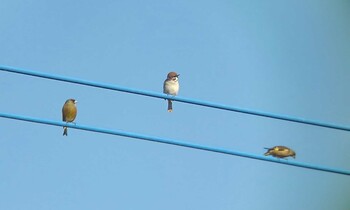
177, 98
176, 143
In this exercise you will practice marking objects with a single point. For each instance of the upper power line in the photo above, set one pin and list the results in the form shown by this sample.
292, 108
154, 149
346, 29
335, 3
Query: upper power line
176, 98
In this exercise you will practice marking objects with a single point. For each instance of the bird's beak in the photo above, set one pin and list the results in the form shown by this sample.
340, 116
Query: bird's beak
178, 75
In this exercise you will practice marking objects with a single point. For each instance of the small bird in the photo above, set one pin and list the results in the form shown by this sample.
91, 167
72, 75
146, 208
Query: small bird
171, 87
280, 152
69, 112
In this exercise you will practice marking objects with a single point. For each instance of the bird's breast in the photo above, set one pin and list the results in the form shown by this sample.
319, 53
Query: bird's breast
171, 87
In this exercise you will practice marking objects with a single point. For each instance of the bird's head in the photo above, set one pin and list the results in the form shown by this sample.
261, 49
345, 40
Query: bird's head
292, 154
71, 100
173, 76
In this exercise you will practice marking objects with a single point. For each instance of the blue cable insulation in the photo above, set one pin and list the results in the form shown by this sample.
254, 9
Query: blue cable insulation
176, 142
177, 98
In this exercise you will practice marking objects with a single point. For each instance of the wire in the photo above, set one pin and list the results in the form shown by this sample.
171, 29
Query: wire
175, 142
177, 98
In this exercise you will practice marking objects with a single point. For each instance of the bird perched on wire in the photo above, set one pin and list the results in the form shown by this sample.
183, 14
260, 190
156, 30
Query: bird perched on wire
280, 152
171, 87
69, 112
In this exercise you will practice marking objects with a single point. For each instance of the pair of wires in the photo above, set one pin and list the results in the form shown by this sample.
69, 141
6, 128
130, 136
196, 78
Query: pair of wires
179, 99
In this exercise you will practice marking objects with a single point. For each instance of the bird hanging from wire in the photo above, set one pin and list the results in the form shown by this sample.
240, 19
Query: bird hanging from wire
69, 113
171, 87
280, 152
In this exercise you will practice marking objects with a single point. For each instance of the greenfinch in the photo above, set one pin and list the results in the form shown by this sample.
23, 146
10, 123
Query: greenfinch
280, 152
69, 112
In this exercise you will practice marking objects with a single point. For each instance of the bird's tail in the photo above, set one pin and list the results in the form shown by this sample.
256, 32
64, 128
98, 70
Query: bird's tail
65, 131
268, 151
170, 106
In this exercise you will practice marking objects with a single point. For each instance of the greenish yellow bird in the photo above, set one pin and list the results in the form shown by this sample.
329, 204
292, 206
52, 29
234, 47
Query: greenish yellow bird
280, 152
69, 113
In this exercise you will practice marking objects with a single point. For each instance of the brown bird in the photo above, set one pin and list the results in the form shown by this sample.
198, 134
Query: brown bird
280, 152
171, 87
69, 112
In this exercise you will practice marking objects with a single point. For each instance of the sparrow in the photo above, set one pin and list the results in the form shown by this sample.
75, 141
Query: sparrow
69, 112
280, 152
171, 87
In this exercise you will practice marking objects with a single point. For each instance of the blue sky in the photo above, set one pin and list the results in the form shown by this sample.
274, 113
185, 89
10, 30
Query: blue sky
283, 57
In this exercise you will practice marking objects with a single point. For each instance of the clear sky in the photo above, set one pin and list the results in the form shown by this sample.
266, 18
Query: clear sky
286, 57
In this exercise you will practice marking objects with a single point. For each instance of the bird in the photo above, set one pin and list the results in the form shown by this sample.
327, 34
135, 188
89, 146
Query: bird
280, 152
171, 87
69, 113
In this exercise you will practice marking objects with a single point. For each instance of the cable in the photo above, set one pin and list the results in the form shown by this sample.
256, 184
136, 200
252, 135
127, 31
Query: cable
175, 142
177, 98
